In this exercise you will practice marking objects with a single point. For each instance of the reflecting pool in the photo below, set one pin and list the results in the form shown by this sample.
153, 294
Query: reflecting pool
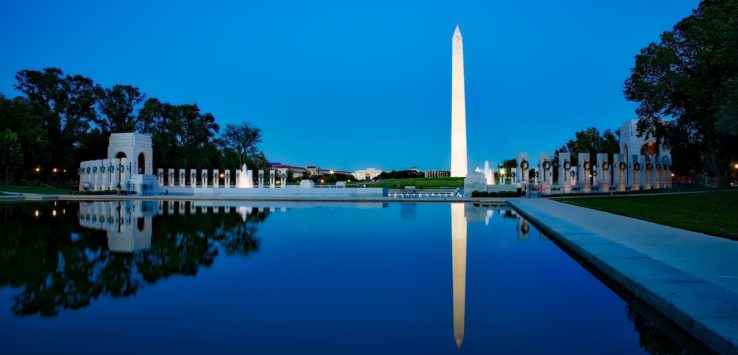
291, 278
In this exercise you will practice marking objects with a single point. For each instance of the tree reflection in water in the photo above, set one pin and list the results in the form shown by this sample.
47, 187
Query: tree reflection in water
59, 265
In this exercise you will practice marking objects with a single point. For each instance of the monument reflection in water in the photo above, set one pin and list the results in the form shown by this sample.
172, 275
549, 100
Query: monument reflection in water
316, 268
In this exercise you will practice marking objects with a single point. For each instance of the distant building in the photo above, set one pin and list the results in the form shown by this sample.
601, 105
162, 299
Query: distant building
415, 169
436, 173
366, 174
313, 170
282, 169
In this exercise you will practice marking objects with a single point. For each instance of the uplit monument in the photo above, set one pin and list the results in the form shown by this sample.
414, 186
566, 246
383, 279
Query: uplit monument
458, 108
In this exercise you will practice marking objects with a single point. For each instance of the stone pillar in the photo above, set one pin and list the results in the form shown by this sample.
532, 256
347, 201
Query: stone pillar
127, 171
216, 178
193, 177
261, 178
182, 178
521, 170
565, 179
104, 175
170, 181
283, 178
271, 178
204, 175
637, 167
193, 209
170, 207
117, 171
227, 178
545, 166
667, 171
649, 172
657, 173
181, 207
621, 167
160, 175
585, 170
603, 164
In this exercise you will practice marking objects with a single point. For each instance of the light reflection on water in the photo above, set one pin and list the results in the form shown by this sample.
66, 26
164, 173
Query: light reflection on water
306, 266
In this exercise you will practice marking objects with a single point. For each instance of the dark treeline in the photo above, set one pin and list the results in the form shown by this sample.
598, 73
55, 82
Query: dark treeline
62, 119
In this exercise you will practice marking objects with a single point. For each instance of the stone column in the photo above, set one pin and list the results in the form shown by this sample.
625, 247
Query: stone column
204, 175
667, 171
621, 167
604, 171
522, 169
227, 178
271, 178
637, 167
160, 174
657, 173
104, 175
170, 175
216, 178
193, 178
283, 179
181, 207
126, 183
565, 180
649, 172
261, 178
585, 170
182, 178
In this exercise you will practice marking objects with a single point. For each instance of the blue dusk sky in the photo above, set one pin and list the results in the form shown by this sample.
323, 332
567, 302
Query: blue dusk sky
355, 84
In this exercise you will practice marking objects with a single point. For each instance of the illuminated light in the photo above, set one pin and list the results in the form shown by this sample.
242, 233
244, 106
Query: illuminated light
64, 171
736, 166
672, 175
322, 181
332, 172
53, 213
64, 211
54, 170
222, 175
36, 213
38, 169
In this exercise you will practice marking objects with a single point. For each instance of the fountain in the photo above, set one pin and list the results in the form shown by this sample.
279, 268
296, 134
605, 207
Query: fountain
489, 174
244, 178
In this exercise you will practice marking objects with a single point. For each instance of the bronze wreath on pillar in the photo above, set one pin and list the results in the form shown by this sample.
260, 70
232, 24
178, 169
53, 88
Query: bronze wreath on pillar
622, 165
586, 165
637, 166
524, 164
648, 166
567, 164
546, 165
605, 165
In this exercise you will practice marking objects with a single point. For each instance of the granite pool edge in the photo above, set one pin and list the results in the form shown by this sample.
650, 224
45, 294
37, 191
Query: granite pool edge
700, 328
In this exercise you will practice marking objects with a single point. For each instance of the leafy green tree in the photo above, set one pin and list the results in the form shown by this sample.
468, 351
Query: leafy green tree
241, 139
182, 135
592, 141
687, 86
66, 105
11, 156
19, 117
117, 106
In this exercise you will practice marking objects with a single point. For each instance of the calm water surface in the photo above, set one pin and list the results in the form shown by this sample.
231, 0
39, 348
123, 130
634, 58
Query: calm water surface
145, 277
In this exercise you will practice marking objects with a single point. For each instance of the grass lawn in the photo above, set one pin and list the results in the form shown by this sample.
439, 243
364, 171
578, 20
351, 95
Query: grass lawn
427, 183
43, 190
714, 213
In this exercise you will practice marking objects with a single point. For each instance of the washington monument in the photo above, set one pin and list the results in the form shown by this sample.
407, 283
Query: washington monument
458, 108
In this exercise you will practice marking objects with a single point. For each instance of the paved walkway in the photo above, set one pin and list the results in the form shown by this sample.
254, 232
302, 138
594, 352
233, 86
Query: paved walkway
690, 277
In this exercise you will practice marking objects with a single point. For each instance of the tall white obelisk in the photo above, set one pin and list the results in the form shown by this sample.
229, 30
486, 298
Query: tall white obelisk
458, 108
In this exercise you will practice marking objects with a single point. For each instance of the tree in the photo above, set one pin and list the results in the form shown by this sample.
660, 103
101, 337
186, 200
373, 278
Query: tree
687, 86
182, 135
117, 106
66, 105
11, 156
241, 139
590, 140
19, 117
